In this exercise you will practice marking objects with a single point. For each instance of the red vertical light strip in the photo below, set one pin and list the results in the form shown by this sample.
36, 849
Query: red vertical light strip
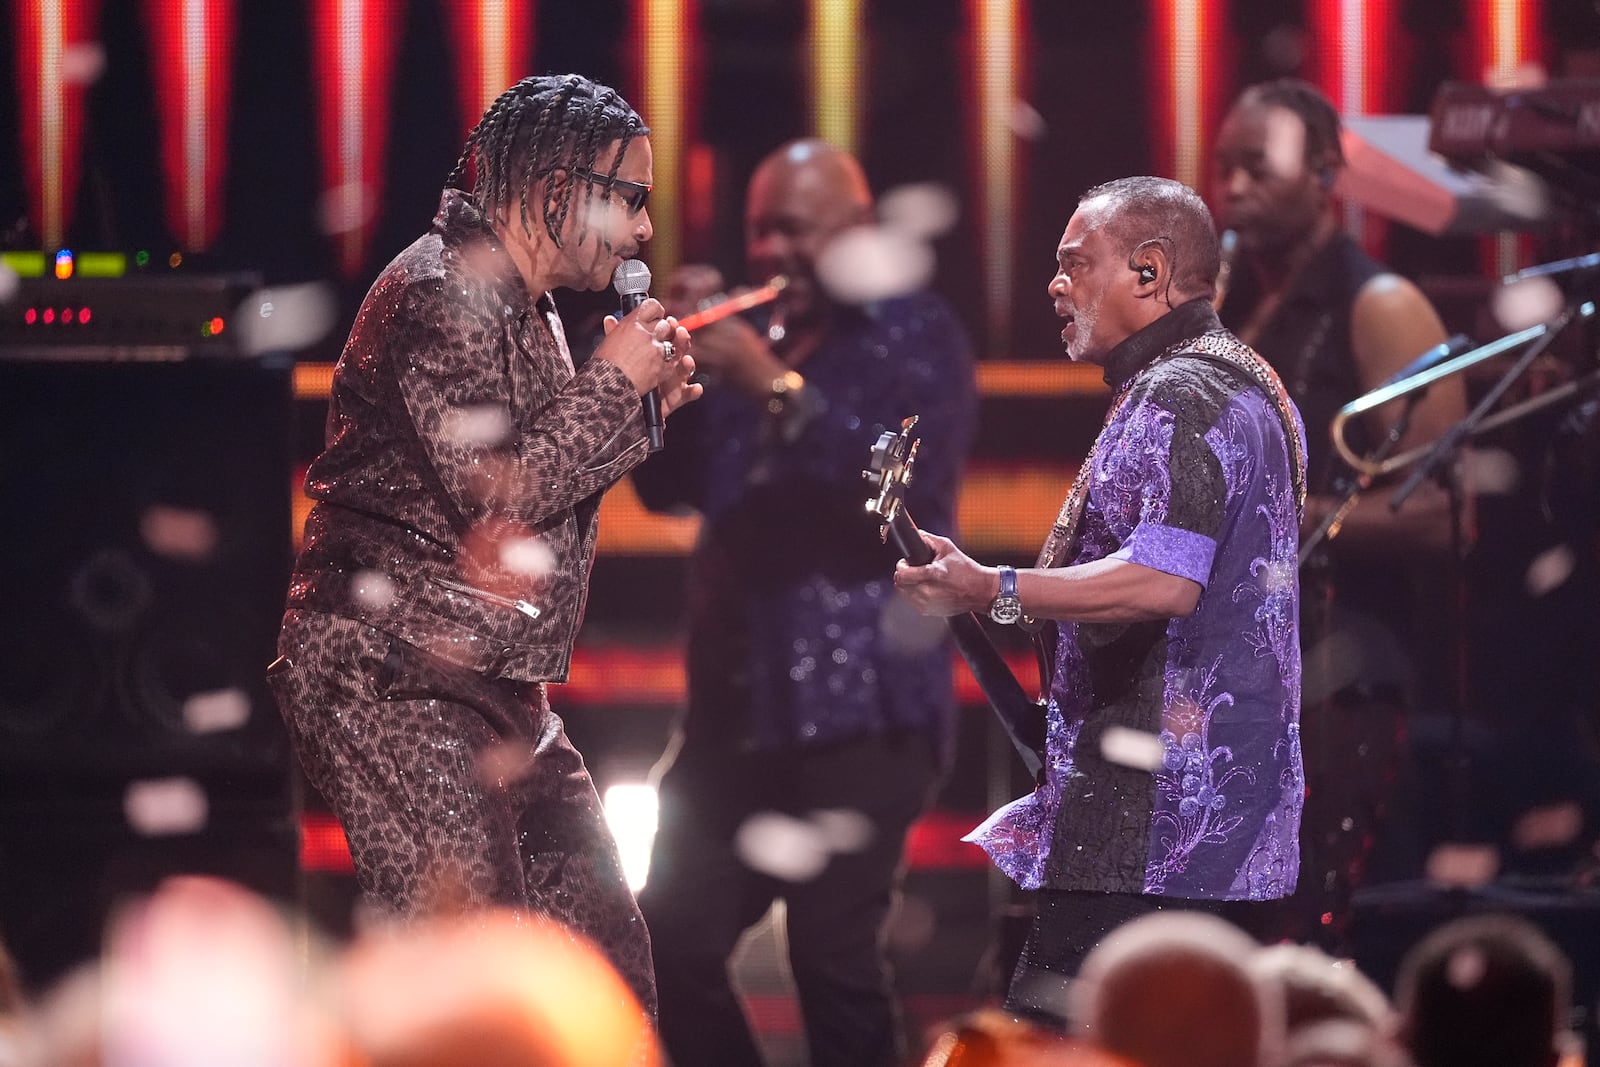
493, 42
1184, 46
353, 49
192, 52
53, 37
997, 73
1504, 43
1158, 101
1356, 41
1505, 38
665, 88
1325, 29
699, 200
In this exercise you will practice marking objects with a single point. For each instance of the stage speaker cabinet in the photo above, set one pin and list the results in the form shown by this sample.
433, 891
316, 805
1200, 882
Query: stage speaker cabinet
144, 556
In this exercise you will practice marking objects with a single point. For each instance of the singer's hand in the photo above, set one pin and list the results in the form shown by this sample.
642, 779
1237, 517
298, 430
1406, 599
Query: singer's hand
651, 370
631, 345
675, 388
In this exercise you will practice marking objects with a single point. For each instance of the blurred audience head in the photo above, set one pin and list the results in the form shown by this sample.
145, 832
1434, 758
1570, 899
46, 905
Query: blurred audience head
202, 972
1488, 990
12, 1007
1316, 987
1174, 989
489, 990
991, 1038
1340, 1042
11, 1000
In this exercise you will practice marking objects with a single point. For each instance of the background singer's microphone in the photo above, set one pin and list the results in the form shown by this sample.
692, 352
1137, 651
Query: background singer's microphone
631, 280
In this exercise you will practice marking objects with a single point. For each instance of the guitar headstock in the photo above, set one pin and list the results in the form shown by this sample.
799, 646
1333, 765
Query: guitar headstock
890, 470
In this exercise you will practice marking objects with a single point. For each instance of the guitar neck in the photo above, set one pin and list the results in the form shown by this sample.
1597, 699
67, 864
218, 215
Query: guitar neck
903, 532
1018, 713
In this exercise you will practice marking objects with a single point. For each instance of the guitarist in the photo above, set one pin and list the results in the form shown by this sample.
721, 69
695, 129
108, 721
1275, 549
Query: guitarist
1170, 590
812, 686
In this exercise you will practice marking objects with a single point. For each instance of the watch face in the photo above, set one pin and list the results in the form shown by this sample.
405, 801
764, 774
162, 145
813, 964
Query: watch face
1006, 609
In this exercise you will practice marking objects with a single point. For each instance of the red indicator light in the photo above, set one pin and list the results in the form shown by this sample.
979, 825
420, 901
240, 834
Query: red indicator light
83, 316
216, 325
30, 316
49, 316
66, 314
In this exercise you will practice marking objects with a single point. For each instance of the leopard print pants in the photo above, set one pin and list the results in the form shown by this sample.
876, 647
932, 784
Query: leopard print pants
454, 790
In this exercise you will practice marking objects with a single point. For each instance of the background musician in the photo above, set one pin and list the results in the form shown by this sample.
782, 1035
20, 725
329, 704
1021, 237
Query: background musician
815, 692
1336, 323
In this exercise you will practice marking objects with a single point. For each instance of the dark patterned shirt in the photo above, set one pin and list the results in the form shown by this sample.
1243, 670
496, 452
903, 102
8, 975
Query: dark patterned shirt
1192, 477
797, 635
457, 499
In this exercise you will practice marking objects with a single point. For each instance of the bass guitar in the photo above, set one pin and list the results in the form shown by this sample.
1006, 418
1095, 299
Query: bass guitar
893, 457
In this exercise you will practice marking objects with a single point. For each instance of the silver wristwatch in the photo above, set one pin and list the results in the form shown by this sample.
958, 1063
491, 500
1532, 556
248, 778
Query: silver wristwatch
1007, 607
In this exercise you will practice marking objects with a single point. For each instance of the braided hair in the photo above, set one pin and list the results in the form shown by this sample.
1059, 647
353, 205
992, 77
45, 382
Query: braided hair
539, 126
1324, 153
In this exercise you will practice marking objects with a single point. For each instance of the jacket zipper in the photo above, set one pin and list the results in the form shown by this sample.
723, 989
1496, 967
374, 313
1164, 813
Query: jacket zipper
530, 610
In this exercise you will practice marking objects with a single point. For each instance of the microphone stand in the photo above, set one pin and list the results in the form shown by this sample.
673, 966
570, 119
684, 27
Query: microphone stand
1437, 462
1450, 441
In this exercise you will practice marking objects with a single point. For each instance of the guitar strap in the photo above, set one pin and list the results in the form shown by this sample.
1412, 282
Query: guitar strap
1219, 346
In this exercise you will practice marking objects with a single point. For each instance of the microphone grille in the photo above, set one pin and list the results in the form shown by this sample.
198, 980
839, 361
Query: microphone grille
631, 278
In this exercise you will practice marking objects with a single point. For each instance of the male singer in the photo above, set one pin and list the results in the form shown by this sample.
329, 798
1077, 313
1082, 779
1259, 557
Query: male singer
447, 557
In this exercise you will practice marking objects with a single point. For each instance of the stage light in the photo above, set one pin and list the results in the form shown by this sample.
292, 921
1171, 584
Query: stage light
54, 50
323, 848
64, 264
834, 71
101, 264
24, 264
632, 812
191, 44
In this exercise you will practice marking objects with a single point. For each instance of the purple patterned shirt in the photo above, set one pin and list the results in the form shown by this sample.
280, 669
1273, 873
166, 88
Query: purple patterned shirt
1192, 477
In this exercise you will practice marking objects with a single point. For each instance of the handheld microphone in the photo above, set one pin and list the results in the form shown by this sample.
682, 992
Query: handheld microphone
631, 280
1434, 356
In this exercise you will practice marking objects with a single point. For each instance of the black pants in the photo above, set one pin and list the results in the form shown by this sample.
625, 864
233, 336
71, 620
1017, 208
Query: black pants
702, 896
1068, 924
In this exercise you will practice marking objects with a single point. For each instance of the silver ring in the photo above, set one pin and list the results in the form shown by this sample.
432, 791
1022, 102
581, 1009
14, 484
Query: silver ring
667, 350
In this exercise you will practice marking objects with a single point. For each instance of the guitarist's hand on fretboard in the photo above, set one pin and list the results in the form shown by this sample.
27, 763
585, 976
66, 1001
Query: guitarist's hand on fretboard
950, 583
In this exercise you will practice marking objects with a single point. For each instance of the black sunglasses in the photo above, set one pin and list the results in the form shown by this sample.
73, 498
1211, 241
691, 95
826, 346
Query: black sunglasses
634, 194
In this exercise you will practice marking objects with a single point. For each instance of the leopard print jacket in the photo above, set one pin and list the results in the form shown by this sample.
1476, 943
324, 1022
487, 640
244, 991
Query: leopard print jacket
457, 498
